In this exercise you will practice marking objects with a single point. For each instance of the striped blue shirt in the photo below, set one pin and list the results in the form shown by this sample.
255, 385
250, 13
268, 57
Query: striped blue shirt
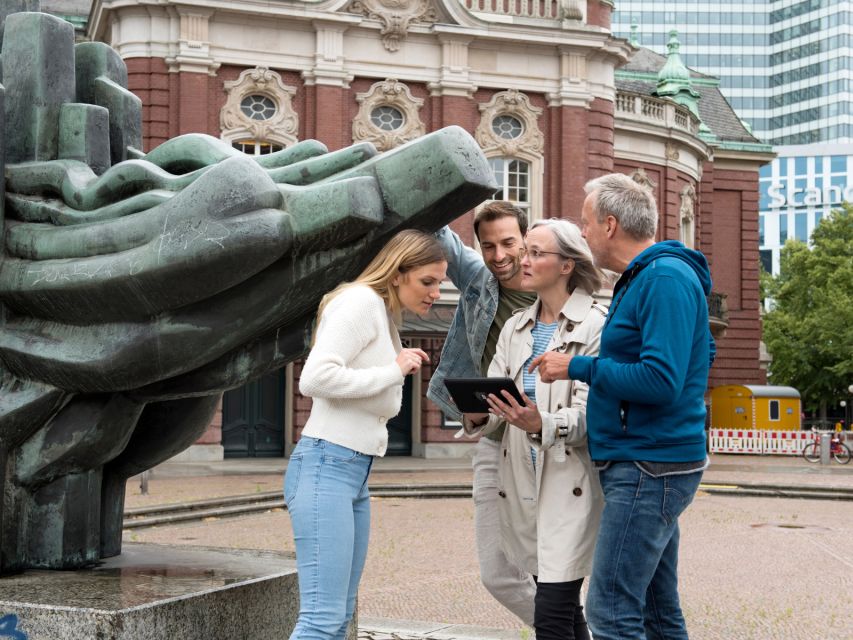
542, 333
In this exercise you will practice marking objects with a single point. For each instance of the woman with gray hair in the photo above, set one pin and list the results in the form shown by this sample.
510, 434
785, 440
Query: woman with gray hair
551, 500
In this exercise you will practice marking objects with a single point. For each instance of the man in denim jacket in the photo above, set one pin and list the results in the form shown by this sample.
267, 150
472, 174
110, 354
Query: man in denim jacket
489, 292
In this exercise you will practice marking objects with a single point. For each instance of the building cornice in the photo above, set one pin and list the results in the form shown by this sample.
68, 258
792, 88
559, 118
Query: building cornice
737, 156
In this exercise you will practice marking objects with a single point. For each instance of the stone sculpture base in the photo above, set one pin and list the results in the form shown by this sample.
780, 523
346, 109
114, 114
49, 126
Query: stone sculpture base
157, 591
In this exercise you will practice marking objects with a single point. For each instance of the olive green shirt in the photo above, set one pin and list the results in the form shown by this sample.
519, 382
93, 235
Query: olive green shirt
509, 301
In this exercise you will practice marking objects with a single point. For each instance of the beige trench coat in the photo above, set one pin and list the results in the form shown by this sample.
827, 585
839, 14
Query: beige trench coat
550, 514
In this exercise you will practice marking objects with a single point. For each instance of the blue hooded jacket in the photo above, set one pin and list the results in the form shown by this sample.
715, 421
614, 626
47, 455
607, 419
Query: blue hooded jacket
647, 385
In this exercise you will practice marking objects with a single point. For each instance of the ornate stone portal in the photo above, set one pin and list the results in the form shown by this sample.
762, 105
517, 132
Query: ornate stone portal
135, 288
395, 17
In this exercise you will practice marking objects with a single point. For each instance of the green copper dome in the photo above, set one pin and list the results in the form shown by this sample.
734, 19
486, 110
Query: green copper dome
674, 77
674, 81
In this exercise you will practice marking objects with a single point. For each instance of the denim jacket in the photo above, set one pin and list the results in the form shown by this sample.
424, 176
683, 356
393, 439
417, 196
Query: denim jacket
466, 338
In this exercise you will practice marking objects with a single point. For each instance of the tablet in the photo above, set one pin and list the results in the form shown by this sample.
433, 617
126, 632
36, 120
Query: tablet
469, 394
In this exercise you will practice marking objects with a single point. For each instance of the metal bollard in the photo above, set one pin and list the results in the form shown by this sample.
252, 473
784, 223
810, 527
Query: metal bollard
143, 482
825, 447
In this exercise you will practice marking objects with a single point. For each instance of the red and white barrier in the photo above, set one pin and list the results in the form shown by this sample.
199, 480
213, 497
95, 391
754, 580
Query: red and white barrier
788, 443
735, 441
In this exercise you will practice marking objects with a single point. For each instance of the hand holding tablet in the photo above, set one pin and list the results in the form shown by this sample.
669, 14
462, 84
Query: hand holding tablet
478, 397
470, 394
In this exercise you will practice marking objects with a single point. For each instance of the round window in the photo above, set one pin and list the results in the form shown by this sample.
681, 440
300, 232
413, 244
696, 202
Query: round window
507, 127
387, 118
257, 107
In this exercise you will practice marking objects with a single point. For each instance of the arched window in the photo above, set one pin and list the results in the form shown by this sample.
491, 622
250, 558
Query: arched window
510, 137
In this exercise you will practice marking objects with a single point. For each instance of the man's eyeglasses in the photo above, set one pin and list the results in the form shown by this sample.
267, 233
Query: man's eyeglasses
536, 254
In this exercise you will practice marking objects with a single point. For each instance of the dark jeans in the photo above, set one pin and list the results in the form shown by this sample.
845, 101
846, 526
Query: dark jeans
558, 613
633, 590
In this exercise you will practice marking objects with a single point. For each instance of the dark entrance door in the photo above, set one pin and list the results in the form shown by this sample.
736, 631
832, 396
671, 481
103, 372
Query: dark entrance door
253, 418
400, 427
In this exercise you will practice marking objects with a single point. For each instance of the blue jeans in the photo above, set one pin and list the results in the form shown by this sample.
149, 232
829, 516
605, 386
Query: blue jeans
633, 590
325, 489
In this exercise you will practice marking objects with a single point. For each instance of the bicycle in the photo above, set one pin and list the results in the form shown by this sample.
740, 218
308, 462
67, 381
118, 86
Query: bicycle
837, 449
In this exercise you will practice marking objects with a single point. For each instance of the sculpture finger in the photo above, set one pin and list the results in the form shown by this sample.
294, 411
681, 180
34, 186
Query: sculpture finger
331, 215
316, 169
190, 237
429, 180
39, 209
164, 430
237, 367
24, 406
203, 200
79, 187
84, 435
193, 151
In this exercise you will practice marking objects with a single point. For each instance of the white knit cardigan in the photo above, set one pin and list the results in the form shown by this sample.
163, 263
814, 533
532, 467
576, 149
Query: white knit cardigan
352, 374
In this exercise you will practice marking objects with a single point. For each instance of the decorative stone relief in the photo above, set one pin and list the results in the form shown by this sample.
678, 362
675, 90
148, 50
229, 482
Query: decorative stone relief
506, 106
570, 10
671, 152
395, 16
260, 92
639, 175
378, 120
688, 197
687, 214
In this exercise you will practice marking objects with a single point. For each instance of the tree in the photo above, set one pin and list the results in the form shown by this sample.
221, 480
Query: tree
809, 331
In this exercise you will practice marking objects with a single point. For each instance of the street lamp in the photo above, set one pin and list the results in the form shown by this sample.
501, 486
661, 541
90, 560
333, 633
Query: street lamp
848, 413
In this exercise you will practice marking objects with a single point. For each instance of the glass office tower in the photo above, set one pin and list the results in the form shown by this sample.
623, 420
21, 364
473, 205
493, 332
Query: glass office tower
786, 66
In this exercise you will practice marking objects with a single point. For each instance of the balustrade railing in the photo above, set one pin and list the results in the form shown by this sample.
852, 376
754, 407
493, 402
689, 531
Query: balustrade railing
655, 111
549, 9
651, 109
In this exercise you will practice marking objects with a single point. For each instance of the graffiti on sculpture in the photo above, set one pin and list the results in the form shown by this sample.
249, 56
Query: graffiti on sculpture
136, 287
9, 628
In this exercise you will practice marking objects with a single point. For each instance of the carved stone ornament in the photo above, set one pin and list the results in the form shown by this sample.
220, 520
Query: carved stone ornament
570, 10
388, 93
281, 127
395, 16
671, 151
515, 104
688, 198
639, 176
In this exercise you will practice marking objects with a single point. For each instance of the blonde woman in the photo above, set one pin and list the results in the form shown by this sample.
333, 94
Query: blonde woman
551, 500
354, 373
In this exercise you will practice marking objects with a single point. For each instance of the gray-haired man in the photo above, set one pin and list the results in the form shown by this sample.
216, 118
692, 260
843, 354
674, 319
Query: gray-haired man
645, 410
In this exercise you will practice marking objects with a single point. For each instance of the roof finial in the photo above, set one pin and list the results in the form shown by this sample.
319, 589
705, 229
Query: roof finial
674, 77
674, 80
633, 39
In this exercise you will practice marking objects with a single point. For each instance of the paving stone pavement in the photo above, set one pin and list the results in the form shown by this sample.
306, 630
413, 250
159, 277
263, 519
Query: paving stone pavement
750, 568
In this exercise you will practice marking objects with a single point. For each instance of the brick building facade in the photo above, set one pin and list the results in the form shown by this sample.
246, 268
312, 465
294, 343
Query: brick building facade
550, 95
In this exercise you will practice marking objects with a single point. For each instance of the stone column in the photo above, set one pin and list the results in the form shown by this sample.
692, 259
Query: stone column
194, 67
452, 95
326, 86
